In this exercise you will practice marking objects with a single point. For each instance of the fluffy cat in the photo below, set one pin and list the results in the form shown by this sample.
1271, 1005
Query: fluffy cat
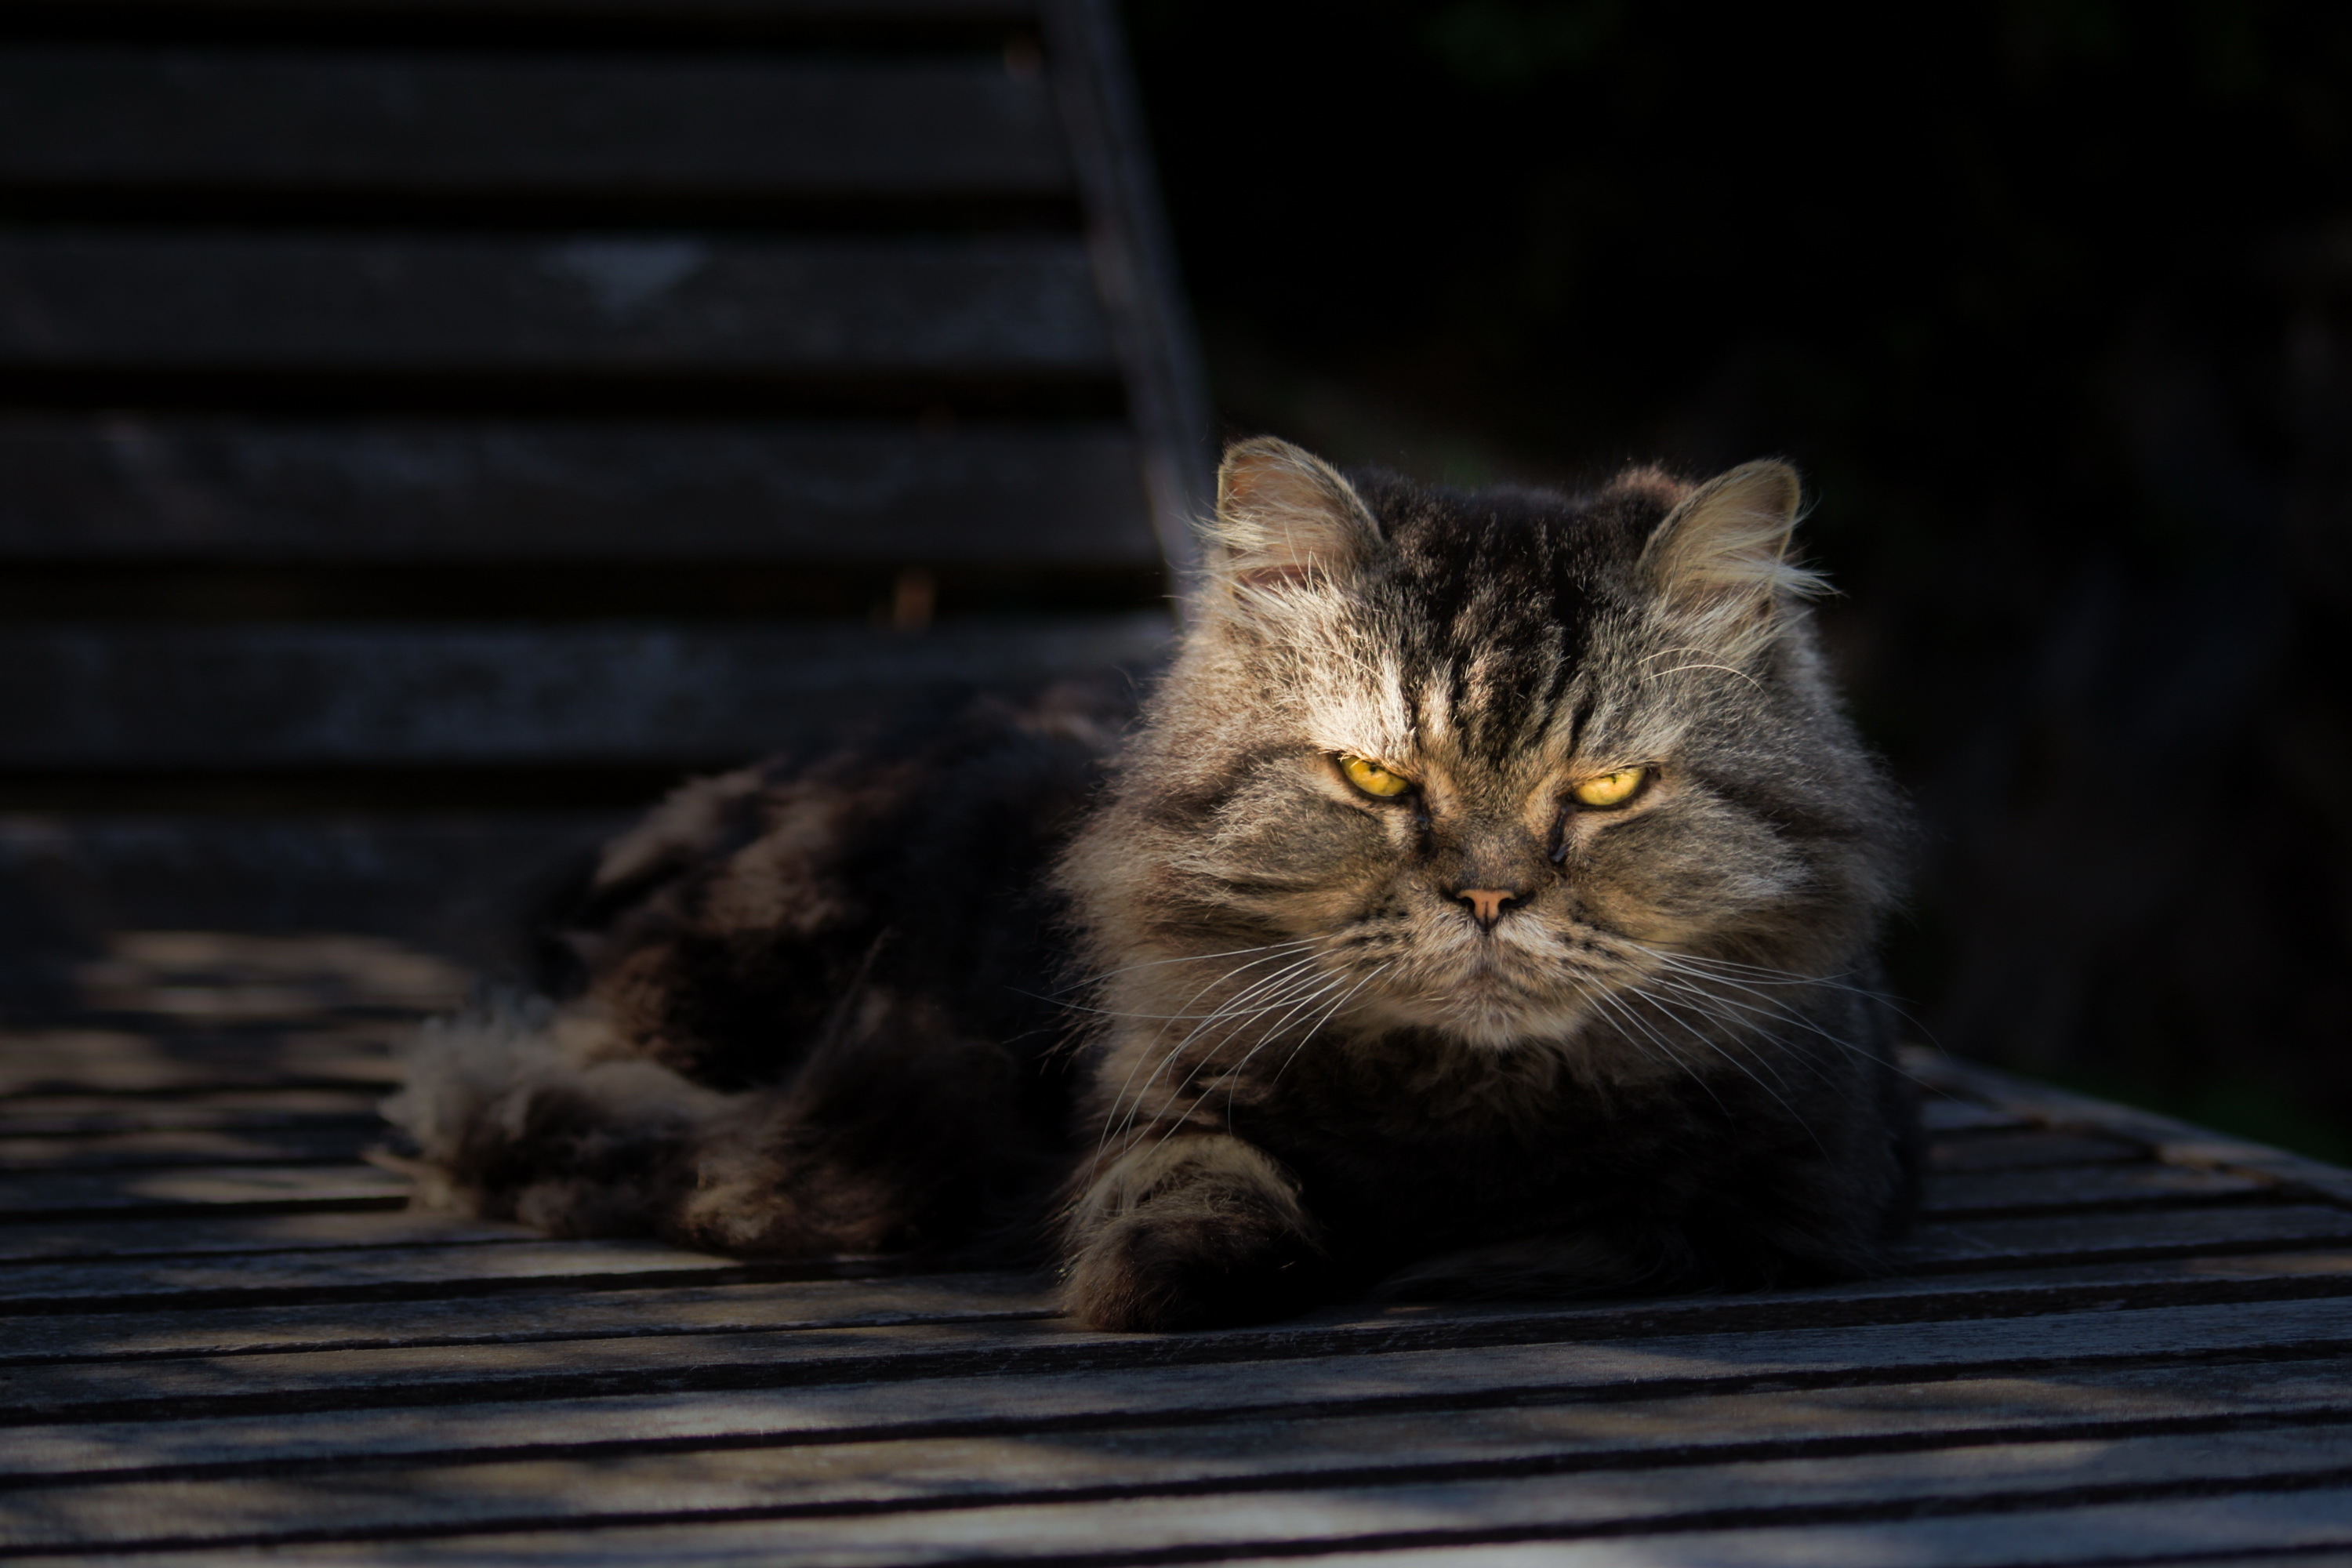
1483, 904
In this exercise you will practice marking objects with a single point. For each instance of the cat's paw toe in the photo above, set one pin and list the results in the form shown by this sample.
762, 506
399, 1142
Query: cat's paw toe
1194, 1268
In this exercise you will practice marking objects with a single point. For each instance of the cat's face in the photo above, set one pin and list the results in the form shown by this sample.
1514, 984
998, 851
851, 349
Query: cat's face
1502, 759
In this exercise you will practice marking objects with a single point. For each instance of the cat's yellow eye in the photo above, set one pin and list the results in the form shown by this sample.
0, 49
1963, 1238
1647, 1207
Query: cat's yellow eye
1371, 778
1610, 789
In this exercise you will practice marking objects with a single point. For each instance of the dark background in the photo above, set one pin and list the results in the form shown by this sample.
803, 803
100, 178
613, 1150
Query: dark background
2051, 302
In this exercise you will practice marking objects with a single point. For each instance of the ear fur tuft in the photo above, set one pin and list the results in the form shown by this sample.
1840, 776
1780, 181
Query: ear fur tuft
1284, 517
1721, 557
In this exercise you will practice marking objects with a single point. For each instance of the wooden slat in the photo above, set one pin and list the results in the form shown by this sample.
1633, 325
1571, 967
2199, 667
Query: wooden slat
723, 127
986, 307
445, 882
1562, 1437
2163, 1233
2000, 1150
1143, 301
257, 1189
1941, 1113
380, 1274
450, 883
646, 1311
667, 1311
2256, 1528
136, 1061
55, 1115
783, 1420
935, 1377
188, 1146
290, 695
2079, 1187
136, 486
1481, 1494
90, 1239
2176, 1141
682, 13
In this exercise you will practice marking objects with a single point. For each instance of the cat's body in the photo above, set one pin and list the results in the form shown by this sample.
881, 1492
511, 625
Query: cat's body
1483, 905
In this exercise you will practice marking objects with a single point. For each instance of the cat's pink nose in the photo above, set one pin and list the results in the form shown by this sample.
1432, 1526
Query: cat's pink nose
1486, 904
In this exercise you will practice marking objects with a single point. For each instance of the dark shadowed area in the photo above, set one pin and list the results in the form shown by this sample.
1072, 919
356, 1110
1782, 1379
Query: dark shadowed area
2051, 300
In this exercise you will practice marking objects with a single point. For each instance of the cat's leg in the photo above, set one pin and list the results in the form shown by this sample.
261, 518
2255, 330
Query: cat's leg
1189, 1231
897, 1133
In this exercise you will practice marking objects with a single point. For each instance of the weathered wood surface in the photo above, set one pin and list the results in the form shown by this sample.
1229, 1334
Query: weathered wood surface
150, 488
977, 307
2095, 1339
165, 696
460, 877
867, 296
667, 17
718, 127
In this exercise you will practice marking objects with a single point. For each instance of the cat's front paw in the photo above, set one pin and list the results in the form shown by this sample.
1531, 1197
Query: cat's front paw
1177, 1265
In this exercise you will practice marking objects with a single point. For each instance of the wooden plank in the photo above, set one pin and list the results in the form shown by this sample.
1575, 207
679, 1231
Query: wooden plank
2178, 1142
1722, 1421
52, 1115
658, 1311
218, 1189
1940, 1113
311, 978
2198, 1531
1507, 1478
2007, 1150
451, 883
1135, 269
857, 1380
2080, 1188
132, 486
1004, 306
642, 1311
213, 1493
715, 127
291, 1256
1982, 1478
182, 1237
281, 1188
243, 13
2173, 1233
189, 1146
197, 695
138, 1061
380, 1274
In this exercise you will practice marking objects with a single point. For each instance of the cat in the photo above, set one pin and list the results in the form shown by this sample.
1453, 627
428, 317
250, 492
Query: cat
1483, 904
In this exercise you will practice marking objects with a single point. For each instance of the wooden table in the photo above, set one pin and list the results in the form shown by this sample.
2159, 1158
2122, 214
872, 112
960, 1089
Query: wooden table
2115, 1340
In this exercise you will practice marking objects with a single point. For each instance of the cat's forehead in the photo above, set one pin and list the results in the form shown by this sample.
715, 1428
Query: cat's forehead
1480, 637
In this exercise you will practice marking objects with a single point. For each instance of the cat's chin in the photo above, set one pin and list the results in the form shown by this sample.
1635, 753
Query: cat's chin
1489, 1017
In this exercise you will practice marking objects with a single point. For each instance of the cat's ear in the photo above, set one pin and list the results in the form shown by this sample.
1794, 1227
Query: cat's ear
1720, 558
1285, 516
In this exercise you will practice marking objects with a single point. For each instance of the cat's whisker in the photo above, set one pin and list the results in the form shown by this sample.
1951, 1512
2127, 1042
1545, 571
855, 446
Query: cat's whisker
1111, 1121
1761, 975
1767, 1008
1187, 958
1741, 1029
1297, 997
1741, 1019
1623, 1016
1724, 667
1328, 1014
1717, 1047
1273, 984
